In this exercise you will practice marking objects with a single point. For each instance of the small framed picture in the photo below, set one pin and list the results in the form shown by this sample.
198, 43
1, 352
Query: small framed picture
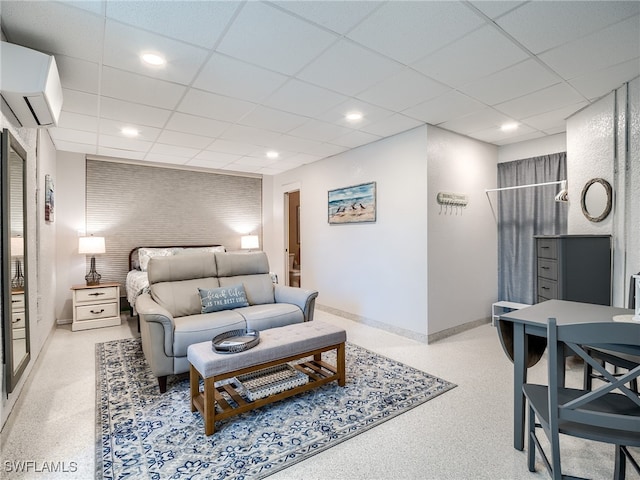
355, 204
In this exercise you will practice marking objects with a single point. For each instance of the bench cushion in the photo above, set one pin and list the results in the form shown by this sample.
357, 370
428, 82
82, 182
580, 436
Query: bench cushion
275, 343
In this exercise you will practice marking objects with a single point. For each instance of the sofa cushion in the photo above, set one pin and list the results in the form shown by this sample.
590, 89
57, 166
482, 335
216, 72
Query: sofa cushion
259, 288
262, 317
223, 298
202, 328
181, 267
231, 264
181, 298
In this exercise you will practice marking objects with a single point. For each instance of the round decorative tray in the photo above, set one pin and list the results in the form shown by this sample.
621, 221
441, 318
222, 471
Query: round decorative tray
235, 341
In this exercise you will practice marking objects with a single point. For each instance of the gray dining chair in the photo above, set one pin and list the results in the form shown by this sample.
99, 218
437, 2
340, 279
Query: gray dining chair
609, 413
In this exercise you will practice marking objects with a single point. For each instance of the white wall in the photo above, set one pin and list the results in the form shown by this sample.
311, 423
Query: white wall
376, 271
463, 252
411, 268
70, 218
533, 148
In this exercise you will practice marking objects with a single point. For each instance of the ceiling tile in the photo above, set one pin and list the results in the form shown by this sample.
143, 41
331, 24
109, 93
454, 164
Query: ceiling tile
271, 119
120, 153
75, 136
96, 7
303, 99
234, 78
124, 45
337, 16
512, 82
324, 150
596, 84
134, 113
321, 131
355, 139
77, 33
262, 35
495, 9
484, 119
182, 122
77, 121
231, 147
407, 31
76, 74
254, 161
555, 118
174, 150
348, 68
184, 139
65, 146
79, 102
521, 138
214, 106
540, 26
370, 113
200, 162
491, 135
608, 47
445, 107
396, 123
217, 157
139, 89
295, 144
403, 90
162, 158
114, 128
120, 142
256, 136
541, 101
478, 54
200, 23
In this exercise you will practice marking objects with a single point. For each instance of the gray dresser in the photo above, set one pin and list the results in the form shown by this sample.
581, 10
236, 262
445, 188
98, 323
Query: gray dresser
574, 267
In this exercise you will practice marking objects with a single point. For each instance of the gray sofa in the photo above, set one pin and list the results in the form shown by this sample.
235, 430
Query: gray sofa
171, 315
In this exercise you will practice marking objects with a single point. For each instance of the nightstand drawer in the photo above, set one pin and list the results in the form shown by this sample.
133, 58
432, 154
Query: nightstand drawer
548, 268
90, 312
94, 295
547, 248
547, 288
17, 319
17, 301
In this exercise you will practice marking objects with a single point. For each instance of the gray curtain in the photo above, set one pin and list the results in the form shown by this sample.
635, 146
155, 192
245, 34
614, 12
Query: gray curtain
523, 213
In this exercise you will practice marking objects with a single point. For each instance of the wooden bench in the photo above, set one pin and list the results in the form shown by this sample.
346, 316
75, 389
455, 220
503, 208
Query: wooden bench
277, 346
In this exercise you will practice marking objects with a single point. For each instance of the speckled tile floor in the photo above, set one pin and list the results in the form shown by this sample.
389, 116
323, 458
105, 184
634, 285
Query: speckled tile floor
464, 434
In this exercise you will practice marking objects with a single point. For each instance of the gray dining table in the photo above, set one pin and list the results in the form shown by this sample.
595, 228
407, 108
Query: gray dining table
523, 336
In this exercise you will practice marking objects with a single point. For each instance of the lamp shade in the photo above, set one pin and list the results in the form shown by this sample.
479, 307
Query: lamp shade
249, 242
91, 245
17, 246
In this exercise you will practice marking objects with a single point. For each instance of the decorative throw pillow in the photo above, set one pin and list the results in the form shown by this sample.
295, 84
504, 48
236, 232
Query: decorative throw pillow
145, 254
223, 298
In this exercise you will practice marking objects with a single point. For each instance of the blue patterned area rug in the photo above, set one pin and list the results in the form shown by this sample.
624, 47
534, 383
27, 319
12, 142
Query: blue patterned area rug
143, 434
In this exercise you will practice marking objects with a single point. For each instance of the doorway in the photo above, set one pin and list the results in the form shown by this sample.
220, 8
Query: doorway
292, 203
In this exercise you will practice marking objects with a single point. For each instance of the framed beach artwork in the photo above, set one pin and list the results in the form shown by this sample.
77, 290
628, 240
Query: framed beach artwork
355, 204
48, 198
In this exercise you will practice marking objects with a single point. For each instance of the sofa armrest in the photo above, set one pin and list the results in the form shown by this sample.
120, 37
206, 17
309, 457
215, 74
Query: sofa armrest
305, 299
149, 311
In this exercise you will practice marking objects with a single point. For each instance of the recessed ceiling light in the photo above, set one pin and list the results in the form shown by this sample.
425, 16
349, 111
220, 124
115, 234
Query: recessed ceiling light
153, 59
509, 127
272, 154
353, 116
130, 132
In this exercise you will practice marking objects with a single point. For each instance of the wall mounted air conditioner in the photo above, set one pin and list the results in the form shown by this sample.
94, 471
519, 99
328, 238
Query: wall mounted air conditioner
30, 84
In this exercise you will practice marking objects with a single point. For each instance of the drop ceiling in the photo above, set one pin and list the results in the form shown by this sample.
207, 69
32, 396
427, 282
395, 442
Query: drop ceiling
246, 78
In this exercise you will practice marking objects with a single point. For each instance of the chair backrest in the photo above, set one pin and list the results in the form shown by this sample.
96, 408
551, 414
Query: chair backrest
622, 337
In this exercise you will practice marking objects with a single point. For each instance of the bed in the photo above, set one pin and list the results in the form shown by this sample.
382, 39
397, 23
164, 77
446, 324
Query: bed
137, 281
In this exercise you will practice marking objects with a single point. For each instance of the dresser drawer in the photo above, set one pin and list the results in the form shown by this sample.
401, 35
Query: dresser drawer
90, 312
547, 248
547, 288
96, 294
548, 268
17, 301
17, 319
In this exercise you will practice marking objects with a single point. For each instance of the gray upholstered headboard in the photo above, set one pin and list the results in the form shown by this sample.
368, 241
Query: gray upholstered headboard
134, 263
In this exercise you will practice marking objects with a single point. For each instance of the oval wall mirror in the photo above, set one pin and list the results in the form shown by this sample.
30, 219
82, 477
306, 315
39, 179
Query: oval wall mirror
596, 199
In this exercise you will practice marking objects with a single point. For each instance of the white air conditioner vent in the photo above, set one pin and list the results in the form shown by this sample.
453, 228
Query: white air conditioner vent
30, 84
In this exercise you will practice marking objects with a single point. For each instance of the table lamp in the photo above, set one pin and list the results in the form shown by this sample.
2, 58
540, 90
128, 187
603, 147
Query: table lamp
17, 251
91, 246
248, 242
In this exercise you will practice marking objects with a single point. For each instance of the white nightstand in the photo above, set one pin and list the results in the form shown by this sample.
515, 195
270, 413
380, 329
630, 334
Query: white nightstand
17, 315
96, 306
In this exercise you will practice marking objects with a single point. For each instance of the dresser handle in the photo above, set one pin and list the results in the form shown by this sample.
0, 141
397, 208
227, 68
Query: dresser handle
96, 313
17, 320
545, 288
96, 294
544, 268
15, 301
545, 247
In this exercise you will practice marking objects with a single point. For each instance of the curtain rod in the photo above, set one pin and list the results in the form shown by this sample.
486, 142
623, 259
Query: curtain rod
524, 186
